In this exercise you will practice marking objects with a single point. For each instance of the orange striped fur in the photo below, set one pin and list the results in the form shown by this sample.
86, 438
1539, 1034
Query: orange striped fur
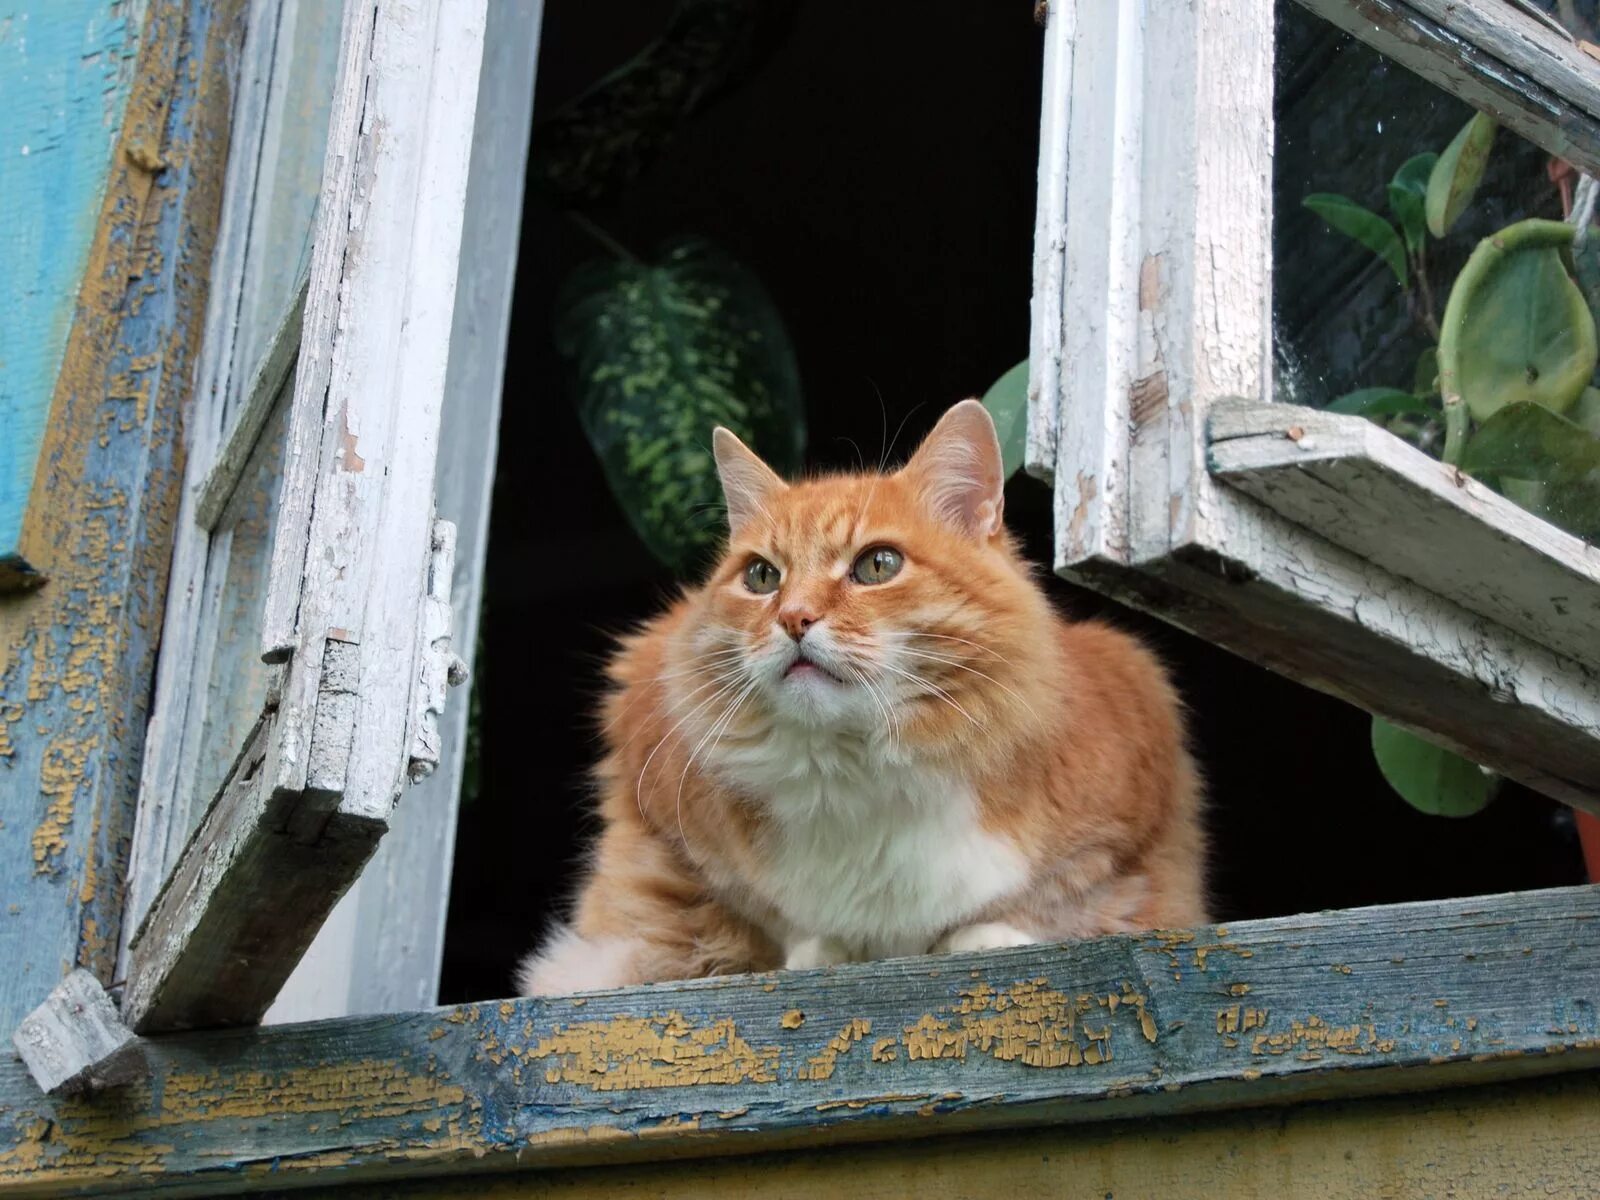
836, 769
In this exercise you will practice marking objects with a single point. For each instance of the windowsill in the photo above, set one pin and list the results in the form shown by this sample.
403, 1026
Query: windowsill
1361, 488
1392, 999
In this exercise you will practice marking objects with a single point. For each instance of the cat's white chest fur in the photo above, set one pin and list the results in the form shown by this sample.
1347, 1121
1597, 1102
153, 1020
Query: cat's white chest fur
874, 857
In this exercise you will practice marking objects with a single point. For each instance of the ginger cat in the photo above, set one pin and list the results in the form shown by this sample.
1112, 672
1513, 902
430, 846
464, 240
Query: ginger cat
868, 734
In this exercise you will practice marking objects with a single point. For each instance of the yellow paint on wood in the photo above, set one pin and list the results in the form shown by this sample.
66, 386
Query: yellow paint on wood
653, 1052
65, 664
821, 1065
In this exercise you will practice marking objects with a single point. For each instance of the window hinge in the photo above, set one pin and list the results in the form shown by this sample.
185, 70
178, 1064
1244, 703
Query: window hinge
441, 667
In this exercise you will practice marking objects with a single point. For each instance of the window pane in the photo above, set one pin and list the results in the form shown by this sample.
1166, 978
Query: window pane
1362, 283
231, 681
294, 136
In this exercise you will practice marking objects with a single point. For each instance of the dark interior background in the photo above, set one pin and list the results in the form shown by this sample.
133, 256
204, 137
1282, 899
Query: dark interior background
875, 168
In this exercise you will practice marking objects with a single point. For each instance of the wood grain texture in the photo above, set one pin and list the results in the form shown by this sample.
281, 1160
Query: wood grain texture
1206, 290
1280, 596
1100, 308
1361, 488
76, 656
240, 906
259, 396
65, 71
381, 948
1220, 563
1402, 998
1529, 1139
350, 560
353, 536
170, 802
1045, 329
1497, 58
75, 1041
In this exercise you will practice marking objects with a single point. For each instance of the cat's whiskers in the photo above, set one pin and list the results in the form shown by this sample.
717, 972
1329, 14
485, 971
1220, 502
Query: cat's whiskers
961, 666
945, 637
729, 672
718, 727
638, 787
718, 660
931, 688
890, 723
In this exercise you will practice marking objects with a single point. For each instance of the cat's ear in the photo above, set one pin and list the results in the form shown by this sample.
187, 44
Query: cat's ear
747, 482
957, 471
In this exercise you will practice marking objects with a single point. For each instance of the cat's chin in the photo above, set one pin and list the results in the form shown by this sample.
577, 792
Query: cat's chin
811, 696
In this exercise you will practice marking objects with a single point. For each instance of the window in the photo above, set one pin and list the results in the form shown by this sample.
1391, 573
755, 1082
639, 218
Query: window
1312, 542
306, 653
1151, 355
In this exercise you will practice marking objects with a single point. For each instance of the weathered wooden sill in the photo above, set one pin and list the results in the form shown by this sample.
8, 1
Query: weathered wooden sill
1347, 480
1401, 998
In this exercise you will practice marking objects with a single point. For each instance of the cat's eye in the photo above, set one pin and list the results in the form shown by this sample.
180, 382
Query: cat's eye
878, 565
761, 577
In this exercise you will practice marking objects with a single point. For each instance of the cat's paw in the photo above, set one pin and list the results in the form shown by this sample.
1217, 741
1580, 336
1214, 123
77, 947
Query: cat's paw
989, 935
815, 952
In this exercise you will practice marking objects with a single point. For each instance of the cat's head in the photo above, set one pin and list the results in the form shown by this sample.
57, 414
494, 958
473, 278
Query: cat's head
887, 603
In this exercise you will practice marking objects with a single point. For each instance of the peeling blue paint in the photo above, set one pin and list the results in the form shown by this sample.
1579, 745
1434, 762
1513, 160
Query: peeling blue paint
65, 70
74, 692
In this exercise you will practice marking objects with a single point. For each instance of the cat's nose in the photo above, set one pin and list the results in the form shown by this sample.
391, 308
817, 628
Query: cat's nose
796, 619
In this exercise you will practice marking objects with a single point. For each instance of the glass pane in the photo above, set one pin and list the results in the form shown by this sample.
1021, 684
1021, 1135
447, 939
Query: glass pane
283, 206
234, 677
1375, 219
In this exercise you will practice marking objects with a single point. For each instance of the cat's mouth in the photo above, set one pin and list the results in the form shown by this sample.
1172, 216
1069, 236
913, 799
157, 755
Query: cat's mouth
809, 668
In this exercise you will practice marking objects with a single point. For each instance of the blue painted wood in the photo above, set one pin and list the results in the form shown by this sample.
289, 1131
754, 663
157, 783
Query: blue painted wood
65, 68
76, 656
1395, 999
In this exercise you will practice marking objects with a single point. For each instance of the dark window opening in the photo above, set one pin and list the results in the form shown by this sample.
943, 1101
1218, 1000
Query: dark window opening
875, 167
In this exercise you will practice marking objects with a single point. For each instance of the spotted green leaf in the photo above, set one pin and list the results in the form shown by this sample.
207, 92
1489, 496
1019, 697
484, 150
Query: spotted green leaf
662, 354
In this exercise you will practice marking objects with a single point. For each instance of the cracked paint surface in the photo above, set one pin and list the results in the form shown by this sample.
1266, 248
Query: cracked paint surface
77, 653
1102, 1028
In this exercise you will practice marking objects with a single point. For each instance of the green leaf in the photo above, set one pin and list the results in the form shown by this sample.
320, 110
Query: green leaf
1408, 192
1425, 380
1428, 778
1544, 462
1382, 402
1007, 402
1586, 266
1457, 173
1516, 328
663, 354
1585, 414
1531, 442
1364, 225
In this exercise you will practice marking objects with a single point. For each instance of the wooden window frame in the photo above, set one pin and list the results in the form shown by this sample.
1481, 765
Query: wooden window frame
1400, 998
1180, 488
357, 607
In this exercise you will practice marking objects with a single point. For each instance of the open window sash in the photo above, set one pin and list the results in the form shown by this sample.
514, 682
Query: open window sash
356, 619
1181, 489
